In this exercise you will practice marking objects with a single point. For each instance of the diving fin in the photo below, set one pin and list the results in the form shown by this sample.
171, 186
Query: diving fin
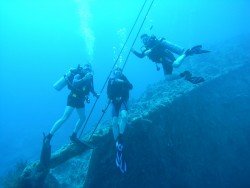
47, 138
120, 162
45, 153
120, 159
196, 50
196, 79
77, 141
187, 75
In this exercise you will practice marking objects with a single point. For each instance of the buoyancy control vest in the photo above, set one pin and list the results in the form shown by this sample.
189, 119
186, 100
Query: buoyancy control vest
117, 89
81, 90
159, 52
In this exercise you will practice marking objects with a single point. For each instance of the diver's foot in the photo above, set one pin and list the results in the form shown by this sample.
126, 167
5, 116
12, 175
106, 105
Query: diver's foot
186, 75
76, 140
196, 79
193, 79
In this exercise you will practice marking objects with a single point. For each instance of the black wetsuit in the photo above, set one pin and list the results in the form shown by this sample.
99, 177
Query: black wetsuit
161, 52
118, 93
80, 88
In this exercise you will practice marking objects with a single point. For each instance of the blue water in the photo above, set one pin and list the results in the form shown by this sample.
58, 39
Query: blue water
40, 40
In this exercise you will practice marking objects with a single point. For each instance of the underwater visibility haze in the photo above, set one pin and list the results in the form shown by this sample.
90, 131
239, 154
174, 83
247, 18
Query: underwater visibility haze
41, 40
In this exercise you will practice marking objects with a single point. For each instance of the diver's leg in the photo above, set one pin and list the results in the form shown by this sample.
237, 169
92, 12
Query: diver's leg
115, 127
82, 118
124, 117
120, 158
123, 123
189, 52
58, 123
168, 71
179, 60
115, 114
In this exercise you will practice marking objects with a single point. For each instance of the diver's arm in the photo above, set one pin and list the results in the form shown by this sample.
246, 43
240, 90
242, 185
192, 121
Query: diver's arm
92, 90
179, 60
127, 83
173, 48
95, 94
138, 54
177, 50
78, 81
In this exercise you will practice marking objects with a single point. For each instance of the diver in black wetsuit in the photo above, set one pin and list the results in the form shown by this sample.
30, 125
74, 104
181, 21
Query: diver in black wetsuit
161, 52
80, 84
118, 94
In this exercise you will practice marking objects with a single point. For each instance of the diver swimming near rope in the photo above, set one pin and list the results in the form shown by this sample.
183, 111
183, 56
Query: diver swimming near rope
162, 52
80, 84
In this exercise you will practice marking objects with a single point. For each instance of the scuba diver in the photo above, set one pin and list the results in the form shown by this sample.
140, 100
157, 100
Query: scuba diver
118, 95
80, 84
161, 52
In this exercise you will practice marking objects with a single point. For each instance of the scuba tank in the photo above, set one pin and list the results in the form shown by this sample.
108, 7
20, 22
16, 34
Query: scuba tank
63, 81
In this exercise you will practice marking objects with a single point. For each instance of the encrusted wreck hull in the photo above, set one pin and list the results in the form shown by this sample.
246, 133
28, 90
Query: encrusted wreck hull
201, 139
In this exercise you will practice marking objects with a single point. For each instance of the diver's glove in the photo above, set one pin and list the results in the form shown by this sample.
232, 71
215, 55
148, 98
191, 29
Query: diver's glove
88, 76
76, 70
96, 95
87, 99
